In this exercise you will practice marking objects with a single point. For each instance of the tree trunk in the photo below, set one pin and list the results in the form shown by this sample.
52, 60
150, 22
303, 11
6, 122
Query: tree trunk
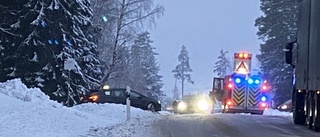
182, 89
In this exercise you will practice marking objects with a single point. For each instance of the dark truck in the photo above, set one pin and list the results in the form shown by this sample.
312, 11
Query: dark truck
303, 55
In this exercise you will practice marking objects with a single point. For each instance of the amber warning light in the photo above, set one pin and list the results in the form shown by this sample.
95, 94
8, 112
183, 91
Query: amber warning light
242, 56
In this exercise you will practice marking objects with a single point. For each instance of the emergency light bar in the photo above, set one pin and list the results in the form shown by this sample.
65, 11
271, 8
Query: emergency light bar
254, 80
242, 56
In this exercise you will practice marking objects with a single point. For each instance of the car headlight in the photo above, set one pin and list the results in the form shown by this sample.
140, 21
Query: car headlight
182, 106
284, 107
203, 105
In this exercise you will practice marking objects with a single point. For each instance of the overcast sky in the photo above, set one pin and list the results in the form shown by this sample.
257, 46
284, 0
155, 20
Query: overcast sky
204, 27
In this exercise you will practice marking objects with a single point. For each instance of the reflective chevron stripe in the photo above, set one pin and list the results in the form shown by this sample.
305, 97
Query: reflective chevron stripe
238, 94
254, 96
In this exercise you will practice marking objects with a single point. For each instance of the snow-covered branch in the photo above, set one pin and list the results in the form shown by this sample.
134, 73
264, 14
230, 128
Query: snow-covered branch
8, 32
39, 17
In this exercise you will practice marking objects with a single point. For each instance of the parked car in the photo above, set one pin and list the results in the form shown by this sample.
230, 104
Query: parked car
286, 106
118, 96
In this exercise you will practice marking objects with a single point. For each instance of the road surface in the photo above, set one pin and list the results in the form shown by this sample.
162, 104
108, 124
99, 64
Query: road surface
229, 125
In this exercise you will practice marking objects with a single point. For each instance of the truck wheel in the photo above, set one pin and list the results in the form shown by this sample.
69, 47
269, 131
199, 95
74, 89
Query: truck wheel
298, 99
310, 109
316, 116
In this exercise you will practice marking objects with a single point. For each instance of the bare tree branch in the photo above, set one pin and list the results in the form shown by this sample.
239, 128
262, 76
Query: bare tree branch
155, 11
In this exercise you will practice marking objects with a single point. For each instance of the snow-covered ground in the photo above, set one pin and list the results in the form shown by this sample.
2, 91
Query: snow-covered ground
29, 113
274, 112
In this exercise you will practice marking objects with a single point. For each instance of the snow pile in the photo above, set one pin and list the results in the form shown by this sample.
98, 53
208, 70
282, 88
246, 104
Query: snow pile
123, 129
15, 88
138, 126
275, 112
29, 113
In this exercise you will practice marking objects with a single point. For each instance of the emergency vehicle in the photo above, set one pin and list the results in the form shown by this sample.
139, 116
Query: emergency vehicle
241, 92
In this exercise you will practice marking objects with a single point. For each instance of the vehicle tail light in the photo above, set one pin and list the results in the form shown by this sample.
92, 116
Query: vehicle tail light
264, 105
229, 102
264, 87
93, 98
230, 86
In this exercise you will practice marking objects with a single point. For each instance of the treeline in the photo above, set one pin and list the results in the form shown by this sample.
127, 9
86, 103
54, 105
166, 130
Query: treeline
107, 39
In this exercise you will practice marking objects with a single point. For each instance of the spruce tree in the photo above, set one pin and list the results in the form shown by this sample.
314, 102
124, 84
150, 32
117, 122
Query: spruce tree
276, 27
145, 69
11, 36
50, 33
182, 70
222, 66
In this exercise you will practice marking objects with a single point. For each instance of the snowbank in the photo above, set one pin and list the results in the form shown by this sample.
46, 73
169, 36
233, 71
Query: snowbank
16, 89
29, 113
275, 112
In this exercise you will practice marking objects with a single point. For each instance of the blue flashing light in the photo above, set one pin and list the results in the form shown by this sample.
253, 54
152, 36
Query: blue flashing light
263, 98
56, 42
257, 81
43, 23
238, 80
250, 81
50, 41
104, 18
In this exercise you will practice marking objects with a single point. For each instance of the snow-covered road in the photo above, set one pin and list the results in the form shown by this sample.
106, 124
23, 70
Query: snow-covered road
229, 125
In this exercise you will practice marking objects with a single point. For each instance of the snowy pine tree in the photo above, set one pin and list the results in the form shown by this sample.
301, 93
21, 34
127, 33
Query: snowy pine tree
276, 27
144, 68
49, 32
222, 66
182, 70
11, 36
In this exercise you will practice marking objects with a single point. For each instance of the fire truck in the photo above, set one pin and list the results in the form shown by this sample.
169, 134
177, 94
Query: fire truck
242, 92
302, 55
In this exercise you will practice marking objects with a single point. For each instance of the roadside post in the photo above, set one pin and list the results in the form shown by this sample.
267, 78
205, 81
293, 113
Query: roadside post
128, 102
69, 64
